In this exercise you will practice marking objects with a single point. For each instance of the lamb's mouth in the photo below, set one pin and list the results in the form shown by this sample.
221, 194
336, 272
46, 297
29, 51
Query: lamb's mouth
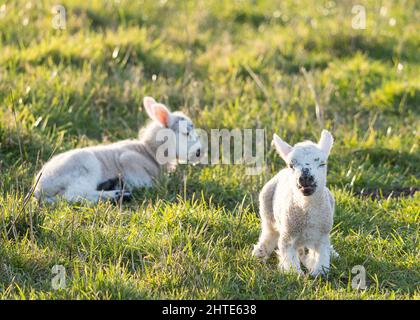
307, 190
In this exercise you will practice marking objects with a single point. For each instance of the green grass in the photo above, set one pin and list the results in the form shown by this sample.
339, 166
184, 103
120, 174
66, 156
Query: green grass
229, 65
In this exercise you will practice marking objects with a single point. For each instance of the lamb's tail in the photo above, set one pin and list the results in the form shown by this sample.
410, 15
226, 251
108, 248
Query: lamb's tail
334, 254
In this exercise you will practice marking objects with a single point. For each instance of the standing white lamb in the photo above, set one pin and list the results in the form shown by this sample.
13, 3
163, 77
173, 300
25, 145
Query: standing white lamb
297, 208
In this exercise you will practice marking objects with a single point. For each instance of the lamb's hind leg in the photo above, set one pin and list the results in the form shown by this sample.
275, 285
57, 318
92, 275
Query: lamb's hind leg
307, 257
269, 235
87, 191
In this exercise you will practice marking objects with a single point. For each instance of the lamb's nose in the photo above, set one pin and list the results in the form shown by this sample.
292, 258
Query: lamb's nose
306, 180
198, 152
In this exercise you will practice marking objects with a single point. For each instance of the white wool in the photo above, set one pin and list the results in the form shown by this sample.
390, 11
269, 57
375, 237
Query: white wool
298, 224
76, 174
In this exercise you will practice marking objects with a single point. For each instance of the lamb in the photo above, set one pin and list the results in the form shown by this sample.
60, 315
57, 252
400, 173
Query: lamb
296, 208
98, 172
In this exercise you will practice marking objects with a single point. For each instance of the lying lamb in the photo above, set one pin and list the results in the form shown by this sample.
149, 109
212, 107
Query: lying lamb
95, 173
296, 208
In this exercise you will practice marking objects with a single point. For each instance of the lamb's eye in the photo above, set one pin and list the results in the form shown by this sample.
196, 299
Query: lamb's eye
322, 165
291, 166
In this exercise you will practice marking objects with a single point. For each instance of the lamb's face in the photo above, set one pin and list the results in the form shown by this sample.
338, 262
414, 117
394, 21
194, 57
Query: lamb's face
308, 164
183, 141
188, 144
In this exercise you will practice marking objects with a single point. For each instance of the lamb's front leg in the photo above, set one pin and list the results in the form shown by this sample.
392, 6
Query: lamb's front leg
269, 235
267, 241
288, 256
321, 257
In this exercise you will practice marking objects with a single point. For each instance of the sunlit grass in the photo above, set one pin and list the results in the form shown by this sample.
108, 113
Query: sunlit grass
229, 65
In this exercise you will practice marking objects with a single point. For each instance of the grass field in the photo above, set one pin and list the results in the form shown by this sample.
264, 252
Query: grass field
233, 64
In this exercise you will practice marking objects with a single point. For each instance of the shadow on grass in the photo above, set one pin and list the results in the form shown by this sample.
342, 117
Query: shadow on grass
385, 276
173, 187
380, 48
380, 156
374, 170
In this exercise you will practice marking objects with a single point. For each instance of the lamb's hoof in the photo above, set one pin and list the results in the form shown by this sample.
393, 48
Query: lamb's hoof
319, 273
126, 196
260, 253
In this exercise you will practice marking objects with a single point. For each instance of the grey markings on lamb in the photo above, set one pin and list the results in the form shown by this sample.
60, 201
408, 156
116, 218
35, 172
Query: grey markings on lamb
111, 184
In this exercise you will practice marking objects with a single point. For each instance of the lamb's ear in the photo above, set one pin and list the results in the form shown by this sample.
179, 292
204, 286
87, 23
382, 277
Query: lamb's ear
283, 148
148, 102
326, 141
161, 114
